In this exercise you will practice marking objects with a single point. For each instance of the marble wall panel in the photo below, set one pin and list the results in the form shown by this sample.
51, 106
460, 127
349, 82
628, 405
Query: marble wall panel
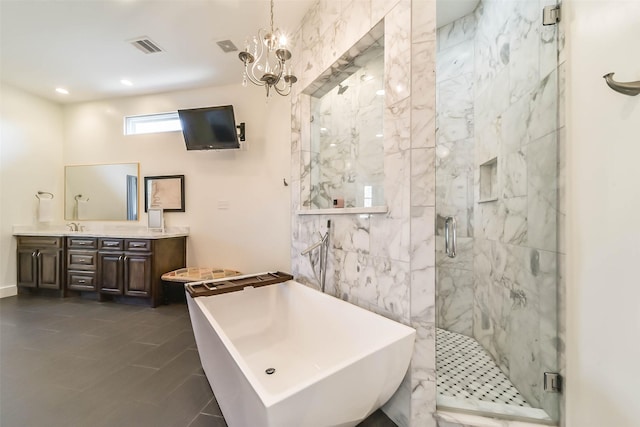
454, 288
543, 118
423, 88
397, 51
373, 260
397, 191
458, 31
423, 240
423, 214
455, 62
397, 126
423, 189
542, 188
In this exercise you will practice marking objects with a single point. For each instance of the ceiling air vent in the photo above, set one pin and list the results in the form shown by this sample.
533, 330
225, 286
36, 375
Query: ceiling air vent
146, 45
227, 46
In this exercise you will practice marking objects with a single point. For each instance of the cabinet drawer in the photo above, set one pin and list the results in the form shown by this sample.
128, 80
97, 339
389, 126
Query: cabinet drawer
82, 242
81, 281
137, 245
111, 244
81, 260
40, 241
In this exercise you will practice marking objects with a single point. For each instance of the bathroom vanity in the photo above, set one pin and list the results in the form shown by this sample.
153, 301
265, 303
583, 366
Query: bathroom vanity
122, 266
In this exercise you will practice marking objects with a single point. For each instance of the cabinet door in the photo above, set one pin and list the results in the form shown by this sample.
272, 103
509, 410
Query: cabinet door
137, 275
110, 272
27, 267
49, 269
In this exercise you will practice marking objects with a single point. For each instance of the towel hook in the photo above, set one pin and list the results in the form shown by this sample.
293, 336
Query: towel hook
78, 197
44, 193
628, 88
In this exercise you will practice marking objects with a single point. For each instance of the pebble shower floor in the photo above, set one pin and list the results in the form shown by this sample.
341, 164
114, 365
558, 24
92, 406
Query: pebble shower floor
465, 369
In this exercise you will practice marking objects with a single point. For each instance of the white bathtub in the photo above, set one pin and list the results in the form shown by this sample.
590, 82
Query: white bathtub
334, 363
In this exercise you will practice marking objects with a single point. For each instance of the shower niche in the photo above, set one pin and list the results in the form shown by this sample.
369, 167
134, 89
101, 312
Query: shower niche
497, 168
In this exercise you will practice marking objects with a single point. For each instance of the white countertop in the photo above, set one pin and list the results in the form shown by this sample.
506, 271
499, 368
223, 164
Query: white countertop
125, 232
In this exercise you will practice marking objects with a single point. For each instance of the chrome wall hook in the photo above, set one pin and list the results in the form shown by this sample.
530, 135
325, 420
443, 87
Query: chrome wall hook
629, 88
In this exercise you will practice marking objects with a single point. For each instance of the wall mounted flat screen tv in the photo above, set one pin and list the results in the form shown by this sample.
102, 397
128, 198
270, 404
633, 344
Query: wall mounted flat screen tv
210, 128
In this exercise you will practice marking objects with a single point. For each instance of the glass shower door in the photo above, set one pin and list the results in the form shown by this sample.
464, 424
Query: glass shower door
497, 193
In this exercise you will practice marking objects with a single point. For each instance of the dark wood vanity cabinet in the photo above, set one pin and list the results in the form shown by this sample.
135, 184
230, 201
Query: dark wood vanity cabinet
123, 272
82, 262
118, 268
133, 267
40, 262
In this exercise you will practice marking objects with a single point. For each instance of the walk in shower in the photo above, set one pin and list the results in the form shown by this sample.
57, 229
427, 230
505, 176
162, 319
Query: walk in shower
497, 210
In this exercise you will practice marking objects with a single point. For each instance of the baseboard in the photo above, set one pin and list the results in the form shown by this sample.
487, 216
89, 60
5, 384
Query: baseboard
8, 291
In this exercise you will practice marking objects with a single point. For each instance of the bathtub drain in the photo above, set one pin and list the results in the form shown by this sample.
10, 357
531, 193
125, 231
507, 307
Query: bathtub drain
270, 371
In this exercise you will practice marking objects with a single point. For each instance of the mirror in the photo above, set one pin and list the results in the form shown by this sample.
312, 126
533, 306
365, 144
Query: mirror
347, 110
106, 192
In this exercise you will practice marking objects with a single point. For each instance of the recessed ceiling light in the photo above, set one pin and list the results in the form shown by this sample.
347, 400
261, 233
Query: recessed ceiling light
126, 82
62, 90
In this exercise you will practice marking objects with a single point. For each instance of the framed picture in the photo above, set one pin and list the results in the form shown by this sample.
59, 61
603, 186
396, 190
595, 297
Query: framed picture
164, 192
155, 220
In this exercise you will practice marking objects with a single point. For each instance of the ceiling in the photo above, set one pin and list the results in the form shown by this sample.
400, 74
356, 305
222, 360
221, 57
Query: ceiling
84, 46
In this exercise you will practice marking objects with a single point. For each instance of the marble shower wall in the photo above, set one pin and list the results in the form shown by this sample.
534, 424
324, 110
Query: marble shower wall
383, 262
455, 166
507, 61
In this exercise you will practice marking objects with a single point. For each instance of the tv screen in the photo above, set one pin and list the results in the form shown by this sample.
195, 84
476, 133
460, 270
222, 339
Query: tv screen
211, 128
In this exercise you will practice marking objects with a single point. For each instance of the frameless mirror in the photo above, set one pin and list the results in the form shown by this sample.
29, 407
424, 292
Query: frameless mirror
106, 192
347, 109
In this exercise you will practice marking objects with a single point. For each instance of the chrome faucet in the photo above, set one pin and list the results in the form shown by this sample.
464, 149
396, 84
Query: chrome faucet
323, 244
73, 226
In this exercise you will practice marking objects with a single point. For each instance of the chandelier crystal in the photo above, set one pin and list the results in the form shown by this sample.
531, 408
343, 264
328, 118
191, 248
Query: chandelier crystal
265, 61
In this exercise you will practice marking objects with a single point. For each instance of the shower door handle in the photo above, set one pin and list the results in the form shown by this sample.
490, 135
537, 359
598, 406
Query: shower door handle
450, 236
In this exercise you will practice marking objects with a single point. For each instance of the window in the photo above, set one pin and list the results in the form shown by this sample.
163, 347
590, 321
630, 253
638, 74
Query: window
152, 123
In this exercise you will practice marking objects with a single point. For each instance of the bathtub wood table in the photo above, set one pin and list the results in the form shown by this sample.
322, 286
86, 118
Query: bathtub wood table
205, 288
190, 274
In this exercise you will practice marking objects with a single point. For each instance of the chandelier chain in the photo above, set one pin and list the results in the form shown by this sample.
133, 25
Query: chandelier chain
271, 16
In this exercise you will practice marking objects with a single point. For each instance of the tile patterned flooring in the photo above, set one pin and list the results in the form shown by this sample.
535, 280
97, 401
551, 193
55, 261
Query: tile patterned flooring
77, 362
464, 369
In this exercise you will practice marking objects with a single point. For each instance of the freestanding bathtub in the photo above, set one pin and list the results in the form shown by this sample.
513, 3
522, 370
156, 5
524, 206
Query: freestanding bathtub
286, 355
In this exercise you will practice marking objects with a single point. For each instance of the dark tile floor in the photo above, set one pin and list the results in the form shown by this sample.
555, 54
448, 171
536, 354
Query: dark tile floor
76, 362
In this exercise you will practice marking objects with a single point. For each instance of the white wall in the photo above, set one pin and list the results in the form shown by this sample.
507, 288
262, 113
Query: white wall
603, 176
30, 161
253, 234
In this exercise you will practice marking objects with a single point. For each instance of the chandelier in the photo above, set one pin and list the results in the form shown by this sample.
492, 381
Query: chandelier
265, 61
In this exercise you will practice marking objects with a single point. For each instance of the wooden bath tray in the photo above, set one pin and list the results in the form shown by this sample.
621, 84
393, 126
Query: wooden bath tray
200, 289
